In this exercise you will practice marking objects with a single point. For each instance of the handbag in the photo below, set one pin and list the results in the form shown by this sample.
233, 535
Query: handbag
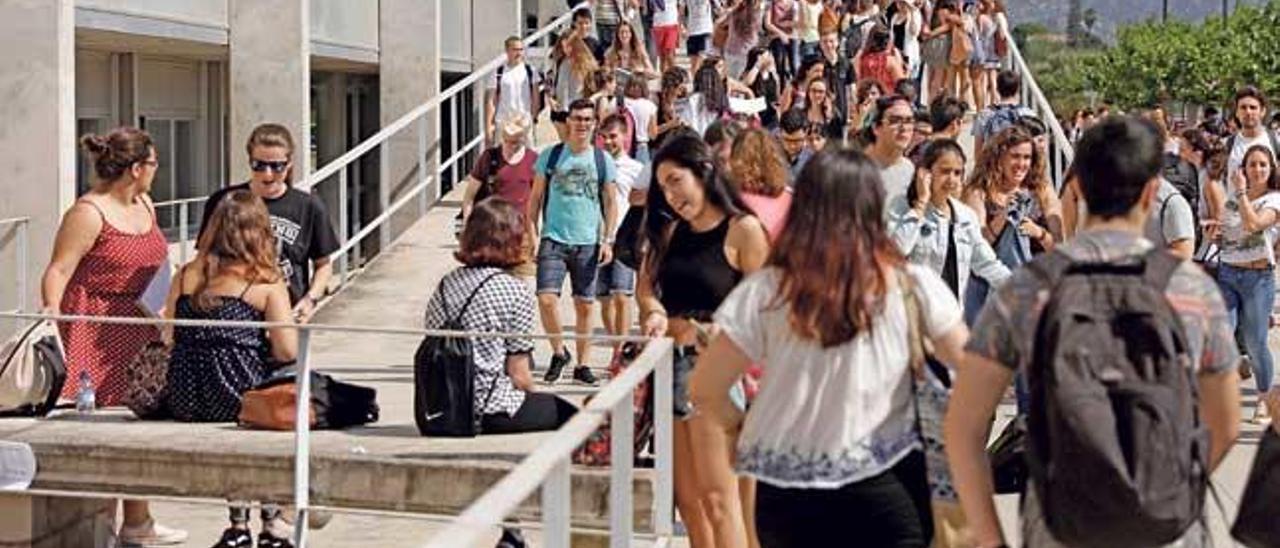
32, 371
1256, 524
930, 396
272, 404
146, 381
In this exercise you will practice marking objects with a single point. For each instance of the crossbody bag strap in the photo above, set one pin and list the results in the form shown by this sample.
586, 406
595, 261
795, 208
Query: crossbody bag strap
472, 296
915, 346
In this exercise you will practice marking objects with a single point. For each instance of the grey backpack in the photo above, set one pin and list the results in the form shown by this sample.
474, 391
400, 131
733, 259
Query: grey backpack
1117, 452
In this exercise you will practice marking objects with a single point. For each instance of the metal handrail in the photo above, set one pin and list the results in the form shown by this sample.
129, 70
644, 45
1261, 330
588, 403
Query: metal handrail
1062, 152
22, 225
550, 459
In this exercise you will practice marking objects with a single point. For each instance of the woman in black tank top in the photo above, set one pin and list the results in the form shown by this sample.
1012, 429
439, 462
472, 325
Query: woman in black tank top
702, 240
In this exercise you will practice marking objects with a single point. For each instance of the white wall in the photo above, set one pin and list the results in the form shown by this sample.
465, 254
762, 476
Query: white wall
202, 12
346, 23
455, 28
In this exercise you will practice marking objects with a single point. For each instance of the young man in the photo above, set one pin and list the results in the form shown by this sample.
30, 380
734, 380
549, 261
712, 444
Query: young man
582, 26
793, 131
839, 72
574, 188
946, 116
505, 171
1118, 163
700, 22
893, 131
1004, 112
513, 90
615, 282
1250, 109
304, 235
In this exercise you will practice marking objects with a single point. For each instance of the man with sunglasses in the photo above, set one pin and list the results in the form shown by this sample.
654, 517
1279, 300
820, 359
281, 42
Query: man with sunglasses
304, 234
573, 200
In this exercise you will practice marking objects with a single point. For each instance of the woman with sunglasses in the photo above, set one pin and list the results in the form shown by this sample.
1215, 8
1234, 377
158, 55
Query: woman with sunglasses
304, 235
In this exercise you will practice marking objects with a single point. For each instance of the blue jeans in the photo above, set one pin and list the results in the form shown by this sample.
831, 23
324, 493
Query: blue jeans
1249, 294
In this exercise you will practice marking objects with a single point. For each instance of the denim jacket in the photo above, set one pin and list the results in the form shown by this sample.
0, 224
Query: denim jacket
924, 241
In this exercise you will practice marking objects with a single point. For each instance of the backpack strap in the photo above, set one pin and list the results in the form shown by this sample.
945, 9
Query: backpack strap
467, 304
497, 90
602, 173
1160, 266
1050, 267
553, 161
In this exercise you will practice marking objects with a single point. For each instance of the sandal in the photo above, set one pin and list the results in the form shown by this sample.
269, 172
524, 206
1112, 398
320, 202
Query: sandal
235, 537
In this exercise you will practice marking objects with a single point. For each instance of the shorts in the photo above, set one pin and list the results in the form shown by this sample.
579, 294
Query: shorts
578, 262
666, 39
615, 278
696, 44
685, 358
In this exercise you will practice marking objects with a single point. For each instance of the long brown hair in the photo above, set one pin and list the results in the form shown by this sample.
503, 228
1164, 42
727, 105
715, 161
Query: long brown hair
238, 237
835, 258
114, 153
987, 173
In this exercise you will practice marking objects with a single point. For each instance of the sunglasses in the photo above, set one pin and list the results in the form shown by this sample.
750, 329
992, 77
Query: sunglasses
260, 166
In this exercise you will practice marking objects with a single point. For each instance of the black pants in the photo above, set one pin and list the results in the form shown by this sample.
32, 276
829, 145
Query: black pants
539, 412
888, 510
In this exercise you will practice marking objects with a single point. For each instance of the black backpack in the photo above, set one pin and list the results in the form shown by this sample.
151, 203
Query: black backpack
1184, 177
444, 376
1116, 448
489, 186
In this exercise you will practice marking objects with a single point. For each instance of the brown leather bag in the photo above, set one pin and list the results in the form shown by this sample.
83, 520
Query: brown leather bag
272, 407
961, 47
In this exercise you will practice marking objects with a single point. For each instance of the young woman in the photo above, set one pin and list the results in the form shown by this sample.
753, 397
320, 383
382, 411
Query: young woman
234, 277
866, 92
645, 114
985, 59
780, 24
936, 48
821, 112
627, 53
831, 437
106, 252
572, 63
879, 61
757, 168
1248, 211
806, 26
602, 89
763, 79
1010, 192
701, 241
744, 35
675, 86
859, 16
933, 228
710, 100
794, 96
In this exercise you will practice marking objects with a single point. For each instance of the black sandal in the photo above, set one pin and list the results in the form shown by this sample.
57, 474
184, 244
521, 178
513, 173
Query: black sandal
235, 537
268, 540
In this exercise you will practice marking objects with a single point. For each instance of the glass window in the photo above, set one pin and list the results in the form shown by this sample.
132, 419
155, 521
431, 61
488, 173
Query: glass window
84, 169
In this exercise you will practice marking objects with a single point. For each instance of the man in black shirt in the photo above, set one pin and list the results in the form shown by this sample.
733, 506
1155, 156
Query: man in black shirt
839, 72
304, 235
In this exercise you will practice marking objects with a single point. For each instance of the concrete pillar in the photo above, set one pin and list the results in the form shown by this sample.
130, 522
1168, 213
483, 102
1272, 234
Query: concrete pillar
270, 75
408, 76
491, 26
51, 522
38, 137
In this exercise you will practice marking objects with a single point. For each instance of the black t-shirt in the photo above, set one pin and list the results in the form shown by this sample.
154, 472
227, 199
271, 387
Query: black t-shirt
303, 233
839, 77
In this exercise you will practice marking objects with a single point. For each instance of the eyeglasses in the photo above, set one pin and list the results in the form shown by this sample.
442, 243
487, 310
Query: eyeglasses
260, 166
900, 121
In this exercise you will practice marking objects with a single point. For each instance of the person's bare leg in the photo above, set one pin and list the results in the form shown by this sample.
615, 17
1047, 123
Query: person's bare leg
686, 489
136, 512
582, 326
717, 484
747, 492
607, 317
979, 77
621, 314
548, 304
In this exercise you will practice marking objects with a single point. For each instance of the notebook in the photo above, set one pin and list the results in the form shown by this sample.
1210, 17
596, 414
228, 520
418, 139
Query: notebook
153, 298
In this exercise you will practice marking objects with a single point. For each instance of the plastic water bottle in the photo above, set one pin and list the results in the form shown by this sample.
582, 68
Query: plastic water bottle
86, 399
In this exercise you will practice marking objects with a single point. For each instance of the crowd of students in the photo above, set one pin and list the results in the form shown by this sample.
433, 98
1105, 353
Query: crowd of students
805, 252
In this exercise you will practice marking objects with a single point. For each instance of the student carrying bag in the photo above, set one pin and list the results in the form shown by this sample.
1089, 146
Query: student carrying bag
444, 376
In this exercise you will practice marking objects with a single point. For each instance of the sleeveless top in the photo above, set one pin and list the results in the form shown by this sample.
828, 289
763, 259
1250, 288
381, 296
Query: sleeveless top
876, 66
107, 282
811, 14
210, 368
695, 276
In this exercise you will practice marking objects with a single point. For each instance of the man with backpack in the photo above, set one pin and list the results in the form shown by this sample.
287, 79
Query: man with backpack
1130, 362
514, 89
505, 171
574, 200
1003, 113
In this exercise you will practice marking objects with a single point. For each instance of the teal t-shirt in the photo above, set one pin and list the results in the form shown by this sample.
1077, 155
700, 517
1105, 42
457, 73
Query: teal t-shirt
572, 215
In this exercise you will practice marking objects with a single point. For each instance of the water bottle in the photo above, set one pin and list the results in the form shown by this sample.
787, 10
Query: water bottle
85, 397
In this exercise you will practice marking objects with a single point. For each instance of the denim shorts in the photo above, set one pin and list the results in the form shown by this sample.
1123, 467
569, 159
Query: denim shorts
556, 260
685, 358
615, 278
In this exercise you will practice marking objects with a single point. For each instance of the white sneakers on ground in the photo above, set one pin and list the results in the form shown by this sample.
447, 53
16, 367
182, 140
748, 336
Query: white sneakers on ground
150, 534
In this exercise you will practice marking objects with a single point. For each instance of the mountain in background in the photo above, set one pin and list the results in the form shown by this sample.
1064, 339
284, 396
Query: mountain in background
1113, 13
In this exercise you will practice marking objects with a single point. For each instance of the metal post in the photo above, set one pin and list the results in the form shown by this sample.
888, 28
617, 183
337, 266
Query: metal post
555, 506
384, 193
422, 164
453, 136
621, 448
437, 64
182, 232
302, 440
664, 448
344, 226
22, 265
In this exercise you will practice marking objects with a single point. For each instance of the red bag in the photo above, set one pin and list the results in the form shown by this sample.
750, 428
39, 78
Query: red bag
596, 450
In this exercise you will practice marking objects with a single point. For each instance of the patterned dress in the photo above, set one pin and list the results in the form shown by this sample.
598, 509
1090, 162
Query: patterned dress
211, 367
107, 282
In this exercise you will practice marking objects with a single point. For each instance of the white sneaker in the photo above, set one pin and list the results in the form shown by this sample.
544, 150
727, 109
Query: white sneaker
151, 534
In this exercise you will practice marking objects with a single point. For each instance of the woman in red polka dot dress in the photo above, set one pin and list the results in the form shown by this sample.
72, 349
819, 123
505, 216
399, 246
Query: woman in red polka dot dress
107, 250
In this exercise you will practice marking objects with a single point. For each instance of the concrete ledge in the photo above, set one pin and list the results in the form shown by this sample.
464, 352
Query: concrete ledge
369, 468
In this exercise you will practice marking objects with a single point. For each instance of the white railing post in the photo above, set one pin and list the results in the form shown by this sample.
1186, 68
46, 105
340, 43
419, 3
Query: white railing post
423, 202
182, 232
344, 226
302, 440
22, 259
621, 449
384, 193
663, 444
453, 139
555, 506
